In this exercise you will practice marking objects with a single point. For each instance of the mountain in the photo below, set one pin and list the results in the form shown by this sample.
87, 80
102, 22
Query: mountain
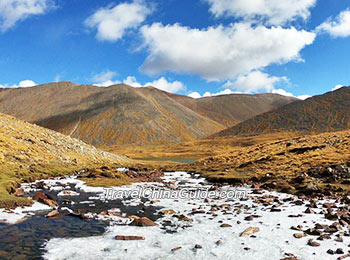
122, 115
308, 164
29, 152
229, 110
323, 113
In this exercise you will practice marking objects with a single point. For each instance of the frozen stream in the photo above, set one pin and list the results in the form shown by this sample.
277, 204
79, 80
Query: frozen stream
192, 226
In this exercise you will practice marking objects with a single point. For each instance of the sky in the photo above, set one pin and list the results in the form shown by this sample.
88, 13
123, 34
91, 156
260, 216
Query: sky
198, 48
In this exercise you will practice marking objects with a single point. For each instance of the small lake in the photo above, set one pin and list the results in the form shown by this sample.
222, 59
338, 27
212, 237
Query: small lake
178, 160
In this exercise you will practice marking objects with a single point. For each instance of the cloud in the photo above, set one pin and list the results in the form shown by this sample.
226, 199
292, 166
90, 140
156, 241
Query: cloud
255, 81
105, 79
208, 94
272, 12
338, 27
163, 84
112, 22
13, 11
218, 53
104, 76
194, 95
22, 84
131, 81
303, 97
107, 83
337, 87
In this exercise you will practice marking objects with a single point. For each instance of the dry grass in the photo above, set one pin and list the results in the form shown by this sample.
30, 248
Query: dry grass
279, 161
29, 152
196, 149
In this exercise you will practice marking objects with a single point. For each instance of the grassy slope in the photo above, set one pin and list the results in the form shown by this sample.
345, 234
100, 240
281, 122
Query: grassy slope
29, 152
282, 160
318, 114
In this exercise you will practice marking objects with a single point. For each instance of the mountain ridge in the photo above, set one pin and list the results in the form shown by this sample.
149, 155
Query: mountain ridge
122, 115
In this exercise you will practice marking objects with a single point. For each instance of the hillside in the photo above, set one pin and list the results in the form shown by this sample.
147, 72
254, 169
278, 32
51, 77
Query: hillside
122, 115
29, 152
307, 165
118, 114
323, 113
229, 110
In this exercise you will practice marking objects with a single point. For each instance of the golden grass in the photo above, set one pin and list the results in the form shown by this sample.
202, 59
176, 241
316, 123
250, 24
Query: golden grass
29, 152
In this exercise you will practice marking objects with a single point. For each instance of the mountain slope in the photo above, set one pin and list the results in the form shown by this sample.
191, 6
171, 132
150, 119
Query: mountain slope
106, 116
229, 110
306, 165
122, 115
28, 152
323, 113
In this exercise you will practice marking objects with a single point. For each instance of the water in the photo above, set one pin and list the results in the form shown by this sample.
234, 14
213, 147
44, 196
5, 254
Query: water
26, 240
179, 160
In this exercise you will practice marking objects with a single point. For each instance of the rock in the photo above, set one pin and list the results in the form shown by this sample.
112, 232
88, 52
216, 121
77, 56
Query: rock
313, 232
52, 214
330, 252
176, 248
197, 246
249, 218
310, 242
219, 242
299, 235
339, 251
343, 257
225, 225
249, 231
339, 239
167, 212
143, 222
309, 211
19, 192
127, 238
290, 258
45, 199
184, 218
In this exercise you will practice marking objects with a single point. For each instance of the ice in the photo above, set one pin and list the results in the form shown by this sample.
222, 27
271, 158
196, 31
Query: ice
274, 239
20, 214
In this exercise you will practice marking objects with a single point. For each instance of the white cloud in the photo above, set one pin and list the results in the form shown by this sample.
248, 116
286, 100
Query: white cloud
255, 81
112, 22
303, 97
12, 11
273, 12
163, 84
208, 94
104, 76
218, 53
337, 87
282, 92
194, 95
131, 81
105, 79
338, 27
22, 84
107, 83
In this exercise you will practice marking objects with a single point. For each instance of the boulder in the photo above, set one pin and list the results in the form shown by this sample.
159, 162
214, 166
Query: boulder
129, 238
143, 222
249, 231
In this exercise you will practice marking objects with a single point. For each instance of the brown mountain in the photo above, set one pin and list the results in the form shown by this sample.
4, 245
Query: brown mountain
229, 110
323, 113
121, 115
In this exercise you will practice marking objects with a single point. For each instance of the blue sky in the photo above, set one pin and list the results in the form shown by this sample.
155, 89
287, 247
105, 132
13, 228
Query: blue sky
291, 47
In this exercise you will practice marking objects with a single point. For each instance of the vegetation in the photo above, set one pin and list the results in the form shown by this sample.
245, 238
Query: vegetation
29, 152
